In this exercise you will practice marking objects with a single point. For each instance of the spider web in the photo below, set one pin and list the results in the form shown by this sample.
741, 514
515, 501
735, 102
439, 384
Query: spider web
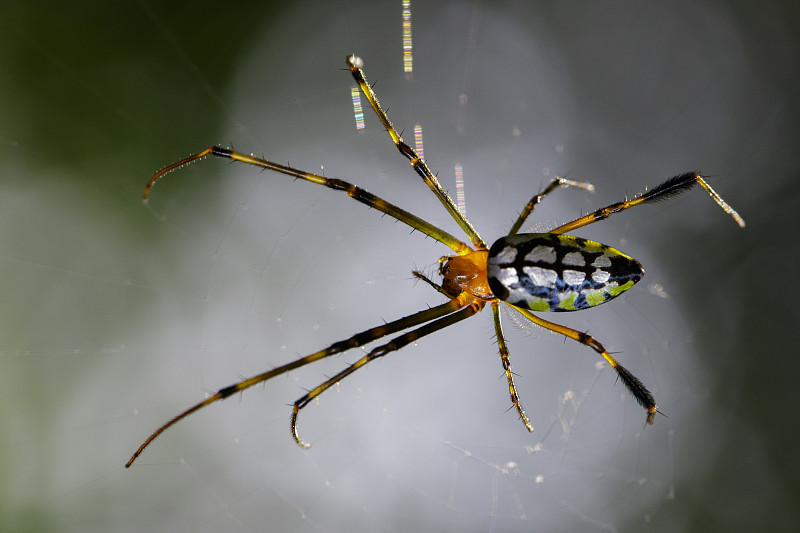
124, 317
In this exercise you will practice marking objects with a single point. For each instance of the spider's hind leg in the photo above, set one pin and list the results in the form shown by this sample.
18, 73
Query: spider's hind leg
637, 389
504, 357
668, 189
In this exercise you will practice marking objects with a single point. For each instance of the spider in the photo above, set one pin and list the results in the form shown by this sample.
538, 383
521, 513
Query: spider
530, 272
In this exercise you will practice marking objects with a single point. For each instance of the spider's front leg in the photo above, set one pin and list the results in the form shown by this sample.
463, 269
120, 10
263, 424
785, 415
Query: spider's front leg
470, 306
431, 315
356, 65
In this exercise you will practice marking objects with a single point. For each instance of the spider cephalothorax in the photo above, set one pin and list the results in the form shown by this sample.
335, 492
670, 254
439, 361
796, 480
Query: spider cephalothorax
466, 273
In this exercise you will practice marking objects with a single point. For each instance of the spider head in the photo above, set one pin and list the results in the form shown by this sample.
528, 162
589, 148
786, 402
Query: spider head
466, 273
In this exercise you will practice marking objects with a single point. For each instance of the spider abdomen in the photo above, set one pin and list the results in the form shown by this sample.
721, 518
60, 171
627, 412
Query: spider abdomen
550, 272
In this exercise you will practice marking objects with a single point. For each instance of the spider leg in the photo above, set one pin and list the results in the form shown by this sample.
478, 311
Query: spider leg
556, 182
356, 193
356, 63
636, 387
473, 306
356, 340
668, 189
501, 344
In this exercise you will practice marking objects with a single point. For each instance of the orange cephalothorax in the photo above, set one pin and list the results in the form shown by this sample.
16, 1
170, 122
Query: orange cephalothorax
467, 273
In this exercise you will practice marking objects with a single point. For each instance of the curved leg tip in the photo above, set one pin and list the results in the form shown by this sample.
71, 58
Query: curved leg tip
296, 436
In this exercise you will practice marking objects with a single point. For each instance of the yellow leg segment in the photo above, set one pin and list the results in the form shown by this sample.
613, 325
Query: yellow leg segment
356, 193
356, 64
556, 182
356, 340
472, 307
668, 189
504, 357
636, 387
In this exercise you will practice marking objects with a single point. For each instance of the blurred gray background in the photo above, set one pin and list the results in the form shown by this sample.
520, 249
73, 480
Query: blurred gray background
116, 316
